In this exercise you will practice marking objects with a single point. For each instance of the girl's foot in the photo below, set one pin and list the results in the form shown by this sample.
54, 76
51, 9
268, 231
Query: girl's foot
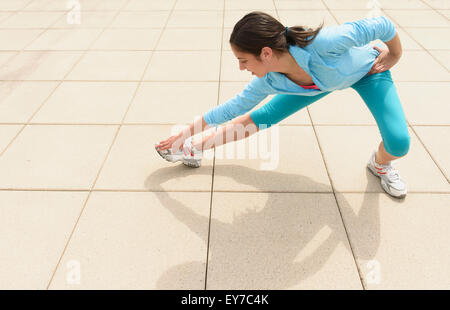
188, 154
390, 179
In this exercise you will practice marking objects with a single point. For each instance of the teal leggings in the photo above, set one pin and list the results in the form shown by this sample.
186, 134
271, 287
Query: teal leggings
378, 92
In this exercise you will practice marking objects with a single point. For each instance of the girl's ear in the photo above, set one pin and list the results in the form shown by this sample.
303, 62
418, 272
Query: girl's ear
266, 52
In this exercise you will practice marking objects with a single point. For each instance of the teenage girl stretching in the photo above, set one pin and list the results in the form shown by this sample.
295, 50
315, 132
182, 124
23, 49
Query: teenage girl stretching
301, 66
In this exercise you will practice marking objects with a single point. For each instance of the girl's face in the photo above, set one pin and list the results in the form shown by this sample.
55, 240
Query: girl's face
250, 63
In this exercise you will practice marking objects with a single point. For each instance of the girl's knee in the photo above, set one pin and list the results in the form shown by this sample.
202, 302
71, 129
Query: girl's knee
399, 145
260, 119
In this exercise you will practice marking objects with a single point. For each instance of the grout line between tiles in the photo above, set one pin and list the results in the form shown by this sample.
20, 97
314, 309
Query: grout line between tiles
409, 124
331, 12
8, 17
161, 50
429, 153
322, 192
433, 9
127, 124
135, 10
20, 9
17, 53
124, 50
439, 50
109, 28
172, 124
156, 28
417, 42
103, 163
195, 81
337, 202
427, 28
214, 157
361, 278
209, 10
104, 190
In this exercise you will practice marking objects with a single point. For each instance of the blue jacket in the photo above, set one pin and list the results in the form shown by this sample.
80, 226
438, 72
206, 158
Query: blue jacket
337, 58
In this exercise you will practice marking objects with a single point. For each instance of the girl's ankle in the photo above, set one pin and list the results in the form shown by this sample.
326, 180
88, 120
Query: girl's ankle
377, 161
197, 145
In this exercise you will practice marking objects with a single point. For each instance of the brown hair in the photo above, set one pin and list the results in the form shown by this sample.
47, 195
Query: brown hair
258, 29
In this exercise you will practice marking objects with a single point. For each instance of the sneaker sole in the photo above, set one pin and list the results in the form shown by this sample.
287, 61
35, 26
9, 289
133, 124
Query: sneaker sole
192, 163
383, 185
159, 152
162, 155
189, 163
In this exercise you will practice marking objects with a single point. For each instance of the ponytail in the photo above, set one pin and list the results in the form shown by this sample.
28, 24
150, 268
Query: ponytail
258, 29
301, 36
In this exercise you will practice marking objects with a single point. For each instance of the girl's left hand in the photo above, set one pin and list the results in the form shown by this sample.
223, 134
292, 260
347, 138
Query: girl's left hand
175, 142
384, 61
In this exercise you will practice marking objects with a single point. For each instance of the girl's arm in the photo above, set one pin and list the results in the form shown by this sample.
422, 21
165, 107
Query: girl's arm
253, 94
387, 58
176, 141
395, 47
198, 126
336, 40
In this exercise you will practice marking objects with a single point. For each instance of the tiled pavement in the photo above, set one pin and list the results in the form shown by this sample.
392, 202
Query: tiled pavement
85, 202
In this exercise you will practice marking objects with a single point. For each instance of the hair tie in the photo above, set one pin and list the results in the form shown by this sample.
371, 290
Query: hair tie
287, 30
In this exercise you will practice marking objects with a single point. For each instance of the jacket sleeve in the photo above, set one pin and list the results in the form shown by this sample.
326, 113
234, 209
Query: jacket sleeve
253, 94
338, 39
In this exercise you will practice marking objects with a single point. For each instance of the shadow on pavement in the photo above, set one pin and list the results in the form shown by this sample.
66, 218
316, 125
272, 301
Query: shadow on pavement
258, 249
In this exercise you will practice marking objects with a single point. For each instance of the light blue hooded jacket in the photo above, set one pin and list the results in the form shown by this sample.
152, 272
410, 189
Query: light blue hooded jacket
337, 58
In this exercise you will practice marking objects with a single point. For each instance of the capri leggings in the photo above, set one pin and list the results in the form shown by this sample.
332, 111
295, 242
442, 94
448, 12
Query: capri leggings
379, 94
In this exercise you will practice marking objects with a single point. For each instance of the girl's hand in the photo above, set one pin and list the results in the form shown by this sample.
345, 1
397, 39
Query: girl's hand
384, 61
174, 142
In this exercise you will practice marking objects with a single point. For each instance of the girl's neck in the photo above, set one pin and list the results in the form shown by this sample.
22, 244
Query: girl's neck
289, 66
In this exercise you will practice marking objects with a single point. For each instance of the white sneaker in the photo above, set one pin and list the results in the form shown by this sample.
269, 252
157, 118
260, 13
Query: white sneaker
390, 179
188, 154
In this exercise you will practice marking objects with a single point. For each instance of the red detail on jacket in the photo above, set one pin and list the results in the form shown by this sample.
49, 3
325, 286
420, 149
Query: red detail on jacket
310, 87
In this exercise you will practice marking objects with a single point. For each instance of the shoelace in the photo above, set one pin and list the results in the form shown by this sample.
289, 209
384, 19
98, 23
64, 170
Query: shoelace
392, 172
187, 149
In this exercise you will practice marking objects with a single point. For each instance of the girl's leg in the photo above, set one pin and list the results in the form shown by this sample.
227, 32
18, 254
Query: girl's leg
277, 109
382, 157
380, 95
239, 128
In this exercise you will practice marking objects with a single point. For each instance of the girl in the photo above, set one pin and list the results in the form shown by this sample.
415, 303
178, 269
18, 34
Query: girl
301, 66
